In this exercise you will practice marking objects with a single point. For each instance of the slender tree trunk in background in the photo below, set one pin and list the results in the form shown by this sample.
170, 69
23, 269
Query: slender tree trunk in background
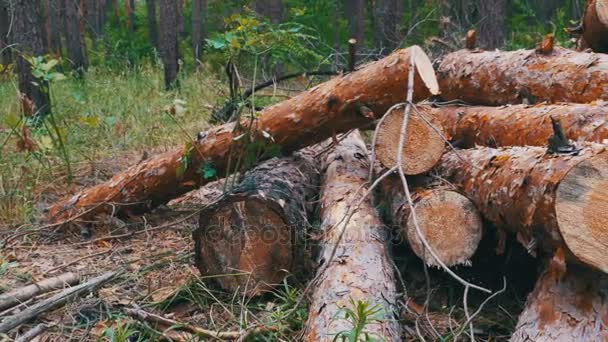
73, 36
152, 23
92, 17
129, 12
116, 8
53, 27
180, 17
355, 13
386, 19
168, 40
199, 8
28, 38
275, 12
491, 30
337, 43
545, 9
5, 21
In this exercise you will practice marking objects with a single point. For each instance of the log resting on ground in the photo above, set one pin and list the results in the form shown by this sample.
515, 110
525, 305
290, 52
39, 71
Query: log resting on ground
567, 304
519, 125
449, 221
17, 296
423, 148
253, 236
595, 26
361, 269
343, 103
512, 77
551, 200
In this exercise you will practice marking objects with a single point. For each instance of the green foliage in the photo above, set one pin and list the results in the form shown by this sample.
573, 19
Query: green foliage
359, 316
121, 332
207, 171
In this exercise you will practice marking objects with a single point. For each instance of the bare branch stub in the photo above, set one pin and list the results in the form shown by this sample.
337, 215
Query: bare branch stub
471, 40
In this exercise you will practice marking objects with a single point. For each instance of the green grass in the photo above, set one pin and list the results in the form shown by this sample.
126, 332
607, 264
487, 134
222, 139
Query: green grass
101, 117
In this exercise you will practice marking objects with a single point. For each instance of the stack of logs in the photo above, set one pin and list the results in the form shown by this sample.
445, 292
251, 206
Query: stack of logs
515, 139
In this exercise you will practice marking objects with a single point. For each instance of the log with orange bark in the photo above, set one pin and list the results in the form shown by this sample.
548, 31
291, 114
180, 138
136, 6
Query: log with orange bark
519, 125
550, 201
523, 76
251, 237
361, 271
595, 26
343, 103
568, 303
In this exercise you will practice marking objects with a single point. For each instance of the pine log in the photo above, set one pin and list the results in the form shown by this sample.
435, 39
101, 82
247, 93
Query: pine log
423, 148
12, 298
595, 26
554, 201
523, 76
448, 220
343, 103
566, 305
361, 270
252, 237
520, 125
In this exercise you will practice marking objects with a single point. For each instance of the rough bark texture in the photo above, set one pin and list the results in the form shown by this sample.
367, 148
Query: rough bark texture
168, 41
492, 28
499, 77
28, 39
595, 25
73, 34
303, 120
5, 54
152, 22
253, 237
449, 221
565, 305
553, 201
52, 27
520, 125
361, 270
199, 8
423, 148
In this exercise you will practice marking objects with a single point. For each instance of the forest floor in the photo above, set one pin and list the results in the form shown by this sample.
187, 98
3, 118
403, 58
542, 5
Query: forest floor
110, 121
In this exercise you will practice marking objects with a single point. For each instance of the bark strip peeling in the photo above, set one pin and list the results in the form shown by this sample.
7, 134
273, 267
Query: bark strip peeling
311, 117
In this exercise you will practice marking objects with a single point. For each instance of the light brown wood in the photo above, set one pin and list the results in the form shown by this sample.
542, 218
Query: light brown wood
14, 297
595, 26
361, 270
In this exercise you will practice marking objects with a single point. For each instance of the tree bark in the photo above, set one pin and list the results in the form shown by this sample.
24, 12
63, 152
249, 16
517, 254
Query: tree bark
74, 37
169, 41
355, 14
253, 237
498, 77
386, 23
468, 126
5, 22
28, 39
272, 9
595, 25
565, 305
492, 26
311, 117
199, 10
554, 201
153, 24
12, 298
361, 271
423, 148
448, 220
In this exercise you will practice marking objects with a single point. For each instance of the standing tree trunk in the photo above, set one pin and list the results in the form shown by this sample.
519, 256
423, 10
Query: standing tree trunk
492, 27
567, 304
73, 34
361, 270
308, 118
550, 201
355, 14
53, 27
254, 236
272, 9
5, 22
168, 41
199, 10
152, 23
130, 14
386, 21
523, 76
28, 39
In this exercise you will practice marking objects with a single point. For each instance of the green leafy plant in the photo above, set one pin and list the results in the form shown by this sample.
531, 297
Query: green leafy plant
121, 332
359, 316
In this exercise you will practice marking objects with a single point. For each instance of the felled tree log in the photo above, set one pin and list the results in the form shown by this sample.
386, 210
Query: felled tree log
520, 125
12, 298
555, 201
361, 270
512, 77
252, 237
422, 150
565, 305
341, 104
595, 26
448, 220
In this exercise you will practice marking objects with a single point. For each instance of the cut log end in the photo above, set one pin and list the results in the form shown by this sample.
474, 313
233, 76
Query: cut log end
451, 225
423, 148
245, 246
601, 8
582, 210
425, 70
471, 40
